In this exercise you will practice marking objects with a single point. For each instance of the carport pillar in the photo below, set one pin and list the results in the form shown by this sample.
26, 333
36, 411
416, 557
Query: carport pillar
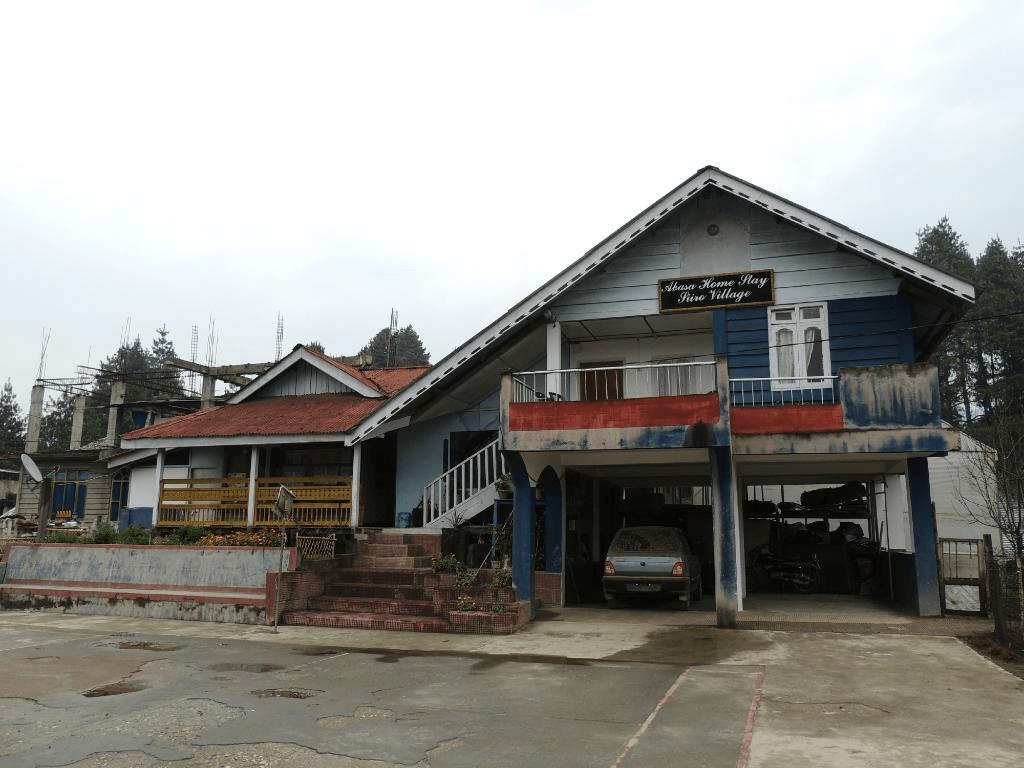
523, 515
551, 487
926, 563
726, 532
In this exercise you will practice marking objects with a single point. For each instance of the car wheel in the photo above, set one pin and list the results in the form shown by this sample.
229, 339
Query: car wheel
683, 604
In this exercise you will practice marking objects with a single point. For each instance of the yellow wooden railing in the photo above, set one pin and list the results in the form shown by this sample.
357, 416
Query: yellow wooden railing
224, 501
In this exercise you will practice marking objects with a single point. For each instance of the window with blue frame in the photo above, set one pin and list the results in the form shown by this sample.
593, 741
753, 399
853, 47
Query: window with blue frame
69, 491
118, 496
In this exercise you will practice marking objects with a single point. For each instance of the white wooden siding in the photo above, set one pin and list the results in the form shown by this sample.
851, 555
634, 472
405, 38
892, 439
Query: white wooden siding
301, 379
807, 267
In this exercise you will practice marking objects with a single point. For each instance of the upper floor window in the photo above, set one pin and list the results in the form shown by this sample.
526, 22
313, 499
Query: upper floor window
798, 346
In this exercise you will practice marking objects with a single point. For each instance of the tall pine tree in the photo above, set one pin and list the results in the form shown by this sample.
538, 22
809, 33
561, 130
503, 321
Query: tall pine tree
12, 428
942, 246
409, 349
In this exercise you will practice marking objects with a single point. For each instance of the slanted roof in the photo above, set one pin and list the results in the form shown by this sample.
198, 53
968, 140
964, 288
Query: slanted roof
328, 416
926, 275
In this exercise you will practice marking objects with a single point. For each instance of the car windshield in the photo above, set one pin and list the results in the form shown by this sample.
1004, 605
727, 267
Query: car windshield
631, 540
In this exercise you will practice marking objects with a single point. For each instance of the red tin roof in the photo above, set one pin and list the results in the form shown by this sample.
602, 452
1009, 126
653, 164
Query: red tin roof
296, 415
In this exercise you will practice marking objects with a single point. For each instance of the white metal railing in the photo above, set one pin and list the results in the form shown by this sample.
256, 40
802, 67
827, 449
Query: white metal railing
783, 390
621, 382
462, 482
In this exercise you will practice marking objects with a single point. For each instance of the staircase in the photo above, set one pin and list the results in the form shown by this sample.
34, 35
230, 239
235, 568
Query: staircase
465, 490
388, 583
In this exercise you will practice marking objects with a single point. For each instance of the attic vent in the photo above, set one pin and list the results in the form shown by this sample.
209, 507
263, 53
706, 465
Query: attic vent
504, 329
744, 194
726, 186
797, 219
761, 203
850, 243
663, 211
869, 253
520, 317
832, 235
535, 306
812, 226
649, 222
779, 211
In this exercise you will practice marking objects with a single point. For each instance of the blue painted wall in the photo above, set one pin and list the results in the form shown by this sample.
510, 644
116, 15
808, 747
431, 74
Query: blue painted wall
420, 448
868, 331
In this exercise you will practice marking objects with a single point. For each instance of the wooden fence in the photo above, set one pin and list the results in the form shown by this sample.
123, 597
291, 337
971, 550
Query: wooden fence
224, 501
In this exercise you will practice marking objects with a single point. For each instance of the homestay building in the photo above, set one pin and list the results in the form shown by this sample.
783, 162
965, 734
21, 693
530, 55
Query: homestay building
722, 340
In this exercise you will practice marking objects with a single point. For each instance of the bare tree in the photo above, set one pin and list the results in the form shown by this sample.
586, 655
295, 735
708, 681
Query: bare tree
990, 486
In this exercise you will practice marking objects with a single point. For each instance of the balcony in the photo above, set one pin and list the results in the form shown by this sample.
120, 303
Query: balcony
224, 501
650, 405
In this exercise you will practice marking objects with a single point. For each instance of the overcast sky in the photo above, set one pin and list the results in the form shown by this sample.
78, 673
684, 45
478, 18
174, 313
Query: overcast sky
176, 162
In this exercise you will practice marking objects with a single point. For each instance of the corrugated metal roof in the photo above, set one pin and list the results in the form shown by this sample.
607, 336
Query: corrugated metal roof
296, 415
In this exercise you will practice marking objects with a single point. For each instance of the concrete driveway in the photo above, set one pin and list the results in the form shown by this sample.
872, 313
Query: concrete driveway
639, 690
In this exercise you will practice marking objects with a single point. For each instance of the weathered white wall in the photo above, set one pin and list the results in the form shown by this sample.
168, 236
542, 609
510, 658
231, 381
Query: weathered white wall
142, 484
301, 379
807, 266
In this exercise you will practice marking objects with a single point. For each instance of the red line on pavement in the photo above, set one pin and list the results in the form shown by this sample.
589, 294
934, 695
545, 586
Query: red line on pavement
748, 734
635, 738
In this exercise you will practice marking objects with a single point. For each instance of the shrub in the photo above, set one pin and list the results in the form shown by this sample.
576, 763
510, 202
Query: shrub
445, 564
465, 603
502, 578
133, 535
242, 538
186, 536
497, 608
465, 578
105, 534
61, 537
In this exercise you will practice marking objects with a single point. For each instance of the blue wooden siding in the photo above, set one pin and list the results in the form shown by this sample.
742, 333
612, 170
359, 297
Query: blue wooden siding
866, 331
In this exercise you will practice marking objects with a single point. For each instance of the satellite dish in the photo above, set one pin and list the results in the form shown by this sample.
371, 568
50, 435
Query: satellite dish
31, 468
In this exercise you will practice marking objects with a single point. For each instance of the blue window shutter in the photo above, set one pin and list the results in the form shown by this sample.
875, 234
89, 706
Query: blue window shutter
80, 503
58, 499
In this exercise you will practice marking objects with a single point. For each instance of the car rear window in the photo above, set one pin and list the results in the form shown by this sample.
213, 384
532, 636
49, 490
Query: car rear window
631, 540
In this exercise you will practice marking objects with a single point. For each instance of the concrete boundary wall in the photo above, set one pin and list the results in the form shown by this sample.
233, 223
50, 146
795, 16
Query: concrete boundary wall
227, 584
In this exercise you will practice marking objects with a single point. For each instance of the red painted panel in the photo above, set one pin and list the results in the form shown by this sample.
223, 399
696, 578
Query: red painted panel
680, 410
779, 419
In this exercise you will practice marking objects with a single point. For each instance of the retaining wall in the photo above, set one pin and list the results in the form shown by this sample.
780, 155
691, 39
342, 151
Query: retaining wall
227, 584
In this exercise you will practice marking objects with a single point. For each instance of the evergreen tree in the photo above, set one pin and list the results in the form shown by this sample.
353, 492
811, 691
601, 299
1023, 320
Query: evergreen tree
161, 348
942, 246
409, 349
12, 428
316, 346
55, 427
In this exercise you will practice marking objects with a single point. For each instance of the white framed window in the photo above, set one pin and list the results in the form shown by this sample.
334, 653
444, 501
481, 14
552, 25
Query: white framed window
798, 346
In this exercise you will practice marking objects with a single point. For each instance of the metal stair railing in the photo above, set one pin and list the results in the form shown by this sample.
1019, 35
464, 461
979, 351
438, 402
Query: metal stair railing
462, 482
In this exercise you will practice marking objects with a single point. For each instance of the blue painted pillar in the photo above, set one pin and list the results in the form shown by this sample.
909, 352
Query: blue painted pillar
551, 487
726, 531
523, 515
926, 561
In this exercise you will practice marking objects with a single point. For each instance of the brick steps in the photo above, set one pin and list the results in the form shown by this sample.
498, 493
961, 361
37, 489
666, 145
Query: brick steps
391, 563
383, 591
364, 575
353, 604
404, 623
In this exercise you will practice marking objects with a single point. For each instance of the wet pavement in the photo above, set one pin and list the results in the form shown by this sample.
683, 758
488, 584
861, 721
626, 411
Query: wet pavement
638, 689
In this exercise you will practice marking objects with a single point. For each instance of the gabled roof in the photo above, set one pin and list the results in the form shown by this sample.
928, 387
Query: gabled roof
342, 372
709, 177
298, 415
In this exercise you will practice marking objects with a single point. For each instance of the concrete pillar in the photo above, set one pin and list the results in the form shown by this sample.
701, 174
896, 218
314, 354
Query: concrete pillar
357, 474
209, 391
522, 529
77, 422
926, 559
35, 418
117, 391
554, 356
897, 533
254, 469
725, 520
551, 487
158, 476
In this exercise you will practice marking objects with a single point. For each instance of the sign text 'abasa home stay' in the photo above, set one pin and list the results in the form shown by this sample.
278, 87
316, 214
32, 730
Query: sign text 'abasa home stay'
730, 289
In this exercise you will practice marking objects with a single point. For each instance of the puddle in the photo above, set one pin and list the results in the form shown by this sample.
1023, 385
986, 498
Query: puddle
258, 668
147, 646
284, 693
114, 689
693, 645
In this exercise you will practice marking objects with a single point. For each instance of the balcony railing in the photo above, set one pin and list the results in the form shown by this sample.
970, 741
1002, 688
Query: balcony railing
615, 382
224, 501
783, 390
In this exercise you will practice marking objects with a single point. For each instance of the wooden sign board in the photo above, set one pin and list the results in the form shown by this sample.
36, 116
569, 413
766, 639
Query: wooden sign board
730, 289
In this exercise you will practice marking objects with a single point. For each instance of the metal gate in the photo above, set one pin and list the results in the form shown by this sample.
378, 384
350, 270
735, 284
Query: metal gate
962, 577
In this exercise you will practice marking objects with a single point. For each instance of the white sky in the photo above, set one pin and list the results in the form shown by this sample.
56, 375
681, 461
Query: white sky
176, 161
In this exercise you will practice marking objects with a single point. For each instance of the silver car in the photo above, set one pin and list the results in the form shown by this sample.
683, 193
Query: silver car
651, 561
